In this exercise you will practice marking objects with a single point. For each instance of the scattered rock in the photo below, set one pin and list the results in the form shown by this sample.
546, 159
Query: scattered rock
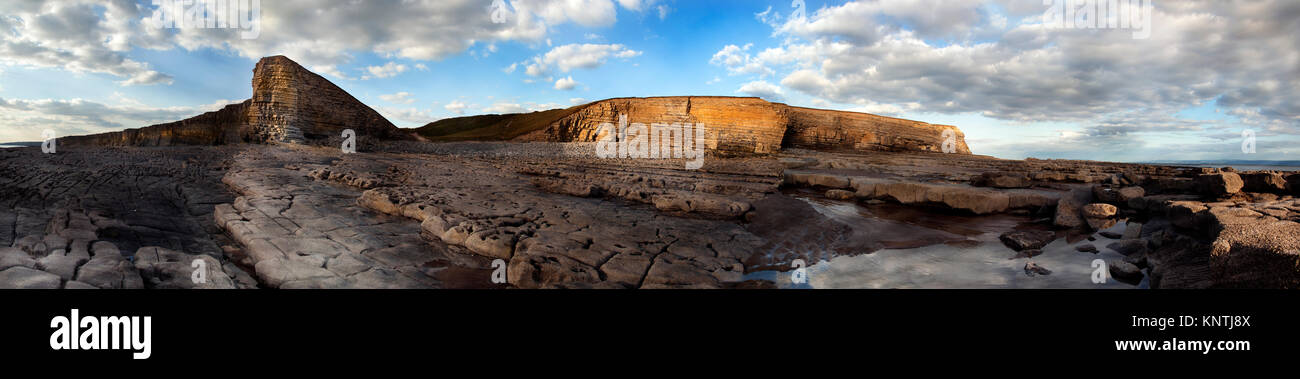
1099, 210
1124, 271
1033, 269
1264, 182
1086, 248
837, 194
1219, 184
1128, 247
1027, 240
1132, 230
27, 278
1069, 207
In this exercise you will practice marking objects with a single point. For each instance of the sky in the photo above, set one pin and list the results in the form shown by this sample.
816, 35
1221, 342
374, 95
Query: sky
1016, 76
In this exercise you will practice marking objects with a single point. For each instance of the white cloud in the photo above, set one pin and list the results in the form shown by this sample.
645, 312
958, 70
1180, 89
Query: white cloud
577, 100
738, 61
505, 108
456, 106
891, 56
398, 98
574, 56
388, 70
565, 84
763, 89
92, 36
407, 117
77, 36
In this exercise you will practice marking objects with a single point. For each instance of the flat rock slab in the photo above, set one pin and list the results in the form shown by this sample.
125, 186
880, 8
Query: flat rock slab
27, 278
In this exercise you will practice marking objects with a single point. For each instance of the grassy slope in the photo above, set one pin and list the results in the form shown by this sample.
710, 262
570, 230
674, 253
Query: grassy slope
492, 127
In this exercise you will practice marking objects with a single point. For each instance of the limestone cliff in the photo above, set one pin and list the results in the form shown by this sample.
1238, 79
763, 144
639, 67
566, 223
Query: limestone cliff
228, 125
748, 125
290, 105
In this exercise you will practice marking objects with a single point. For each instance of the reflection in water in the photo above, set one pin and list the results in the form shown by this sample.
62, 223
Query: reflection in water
964, 254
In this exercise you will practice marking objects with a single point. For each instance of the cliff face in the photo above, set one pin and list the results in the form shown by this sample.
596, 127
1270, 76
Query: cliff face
752, 125
826, 129
228, 125
731, 124
290, 104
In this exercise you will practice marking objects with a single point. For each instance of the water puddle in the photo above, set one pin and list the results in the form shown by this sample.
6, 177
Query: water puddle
924, 249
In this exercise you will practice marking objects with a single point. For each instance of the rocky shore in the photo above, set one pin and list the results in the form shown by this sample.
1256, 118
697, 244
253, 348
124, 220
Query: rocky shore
418, 215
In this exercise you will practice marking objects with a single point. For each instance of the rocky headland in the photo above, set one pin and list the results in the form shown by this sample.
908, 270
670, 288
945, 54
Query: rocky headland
261, 194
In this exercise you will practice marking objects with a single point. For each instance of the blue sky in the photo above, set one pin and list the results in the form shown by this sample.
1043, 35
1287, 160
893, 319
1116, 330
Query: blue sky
1015, 87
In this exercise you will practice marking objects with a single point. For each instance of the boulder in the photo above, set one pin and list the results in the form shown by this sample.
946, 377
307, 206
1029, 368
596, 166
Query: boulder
1099, 210
1033, 269
1128, 247
1027, 240
1124, 271
1086, 248
1218, 184
1069, 207
1263, 182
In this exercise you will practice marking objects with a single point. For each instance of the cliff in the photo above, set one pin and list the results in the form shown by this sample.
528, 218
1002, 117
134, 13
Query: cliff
228, 125
290, 105
733, 124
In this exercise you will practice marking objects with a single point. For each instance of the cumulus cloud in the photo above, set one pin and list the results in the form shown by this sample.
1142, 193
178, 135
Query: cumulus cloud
398, 98
95, 36
456, 106
77, 36
566, 58
504, 108
909, 55
762, 89
407, 117
565, 84
388, 70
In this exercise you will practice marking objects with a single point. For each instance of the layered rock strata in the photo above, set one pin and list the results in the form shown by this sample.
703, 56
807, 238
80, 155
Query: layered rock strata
290, 104
752, 125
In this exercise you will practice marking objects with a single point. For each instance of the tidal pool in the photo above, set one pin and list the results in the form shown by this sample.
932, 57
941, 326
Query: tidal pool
963, 252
